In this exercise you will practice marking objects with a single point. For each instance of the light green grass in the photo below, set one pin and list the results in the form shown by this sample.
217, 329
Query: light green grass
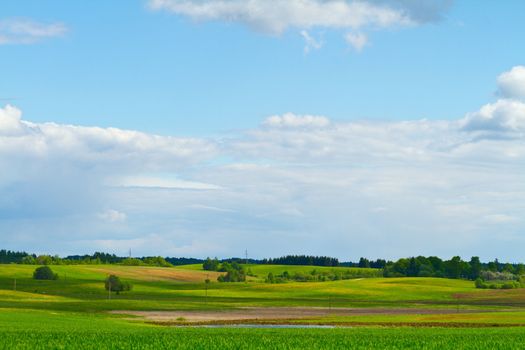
82, 288
59, 330
71, 312
262, 271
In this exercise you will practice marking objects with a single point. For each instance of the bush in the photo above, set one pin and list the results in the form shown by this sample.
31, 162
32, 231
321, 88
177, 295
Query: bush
270, 278
511, 285
156, 261
132, 262
497, 276
44, 273
480, 284
234, 273
211, 265
29, 260
114, 284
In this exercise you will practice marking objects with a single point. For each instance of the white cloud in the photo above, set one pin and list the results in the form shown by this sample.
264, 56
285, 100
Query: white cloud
10, 120
320, 186
503, 115
211, 208
277, 16
511, 84
26, 31
290, 120
310, 42
110, 147
356, 40
164, 182
506, 114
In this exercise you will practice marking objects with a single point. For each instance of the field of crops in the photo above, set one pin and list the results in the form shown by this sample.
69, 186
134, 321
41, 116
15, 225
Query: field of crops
45, 330
74, 310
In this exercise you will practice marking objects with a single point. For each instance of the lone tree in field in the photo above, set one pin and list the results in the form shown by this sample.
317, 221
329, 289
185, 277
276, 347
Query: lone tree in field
114, 284
44, 273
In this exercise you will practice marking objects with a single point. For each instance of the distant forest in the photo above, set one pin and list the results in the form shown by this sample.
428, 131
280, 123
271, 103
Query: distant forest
406, 267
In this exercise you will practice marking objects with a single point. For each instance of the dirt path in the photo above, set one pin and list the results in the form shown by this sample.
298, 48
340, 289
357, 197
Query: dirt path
277, 313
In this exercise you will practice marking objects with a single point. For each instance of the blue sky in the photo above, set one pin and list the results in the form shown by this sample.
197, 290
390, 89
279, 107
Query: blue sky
121, 62
216, 131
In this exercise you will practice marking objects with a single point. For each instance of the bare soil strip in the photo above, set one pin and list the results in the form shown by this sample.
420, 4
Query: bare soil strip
160, 274
276, 314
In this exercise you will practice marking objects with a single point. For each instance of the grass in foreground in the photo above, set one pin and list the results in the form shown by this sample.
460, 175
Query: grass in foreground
52, 330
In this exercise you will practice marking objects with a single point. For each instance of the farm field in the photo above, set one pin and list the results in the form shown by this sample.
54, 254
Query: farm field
381, 312
260, 272
45, 330
80, 288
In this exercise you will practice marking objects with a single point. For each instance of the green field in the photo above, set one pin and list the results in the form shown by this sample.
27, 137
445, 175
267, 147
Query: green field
21, 329
74, 310
81, 288
260, 272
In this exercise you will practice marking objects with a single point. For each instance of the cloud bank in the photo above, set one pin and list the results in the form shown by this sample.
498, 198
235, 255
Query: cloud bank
277, 16
313, 184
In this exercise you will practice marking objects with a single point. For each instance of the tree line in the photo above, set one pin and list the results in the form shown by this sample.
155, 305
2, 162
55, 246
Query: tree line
433, 266
419, 266
14, 257
303, 260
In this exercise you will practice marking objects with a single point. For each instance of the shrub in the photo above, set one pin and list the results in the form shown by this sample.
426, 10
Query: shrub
114, 284
234, 273
132, 262
270, 278
157, 261
44, 273
497, 276
480, 284
29, 260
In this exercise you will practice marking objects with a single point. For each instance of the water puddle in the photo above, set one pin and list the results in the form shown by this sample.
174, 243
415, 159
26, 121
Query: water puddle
299, 326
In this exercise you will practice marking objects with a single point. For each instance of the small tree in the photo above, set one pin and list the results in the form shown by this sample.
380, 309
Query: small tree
270, 278
44, 273
211, 265
28, 260
114, 284
234, 273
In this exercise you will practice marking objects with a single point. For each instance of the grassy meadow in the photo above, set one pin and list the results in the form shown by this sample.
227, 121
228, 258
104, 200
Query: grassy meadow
56, 314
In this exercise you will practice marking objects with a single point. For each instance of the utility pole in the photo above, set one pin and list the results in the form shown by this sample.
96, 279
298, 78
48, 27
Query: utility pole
130, 253
246, 255
206, 287
109, 288
15, 286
